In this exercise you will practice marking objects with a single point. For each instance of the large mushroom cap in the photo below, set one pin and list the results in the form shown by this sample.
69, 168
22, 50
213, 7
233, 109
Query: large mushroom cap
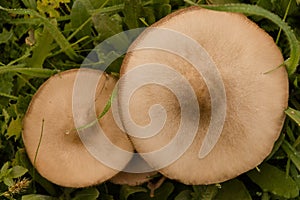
255, 100
62, 158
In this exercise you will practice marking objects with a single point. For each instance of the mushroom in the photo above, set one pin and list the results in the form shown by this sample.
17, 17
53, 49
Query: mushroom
52, 140
239, 119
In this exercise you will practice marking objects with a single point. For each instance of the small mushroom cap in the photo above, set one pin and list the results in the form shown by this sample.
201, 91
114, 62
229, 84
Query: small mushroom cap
132, 179
62, 158
255, 100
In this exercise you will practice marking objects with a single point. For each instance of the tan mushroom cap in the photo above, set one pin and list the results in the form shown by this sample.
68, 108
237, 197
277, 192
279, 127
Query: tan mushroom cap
62, 158
242, 52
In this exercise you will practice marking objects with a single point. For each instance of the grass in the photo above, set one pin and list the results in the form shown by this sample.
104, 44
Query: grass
63, 33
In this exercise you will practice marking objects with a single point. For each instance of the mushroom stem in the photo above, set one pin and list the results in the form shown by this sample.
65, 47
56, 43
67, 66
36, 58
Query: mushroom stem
153, 186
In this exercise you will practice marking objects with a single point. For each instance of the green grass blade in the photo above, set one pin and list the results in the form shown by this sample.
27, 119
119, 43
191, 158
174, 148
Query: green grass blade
293, 114
115, 8
33, 21
284, 18
292, 153
297, 142
293, 60
290, 134
35, 72
8, 96
105, 110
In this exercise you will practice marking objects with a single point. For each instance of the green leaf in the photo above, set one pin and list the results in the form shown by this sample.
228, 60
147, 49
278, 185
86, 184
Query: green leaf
149, 15
127, 190
41, 50
87, 194
233, 189
107, 25
22, 104
6, 82
4, 169
5, 36
132, 13
8, 181
11, 110
295, 174
272, 179
163, 10
204, 192
164, 191
184, 195
14, 129
17, 171
37, 197
293, 114
5, 122
50, 9
79, 15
